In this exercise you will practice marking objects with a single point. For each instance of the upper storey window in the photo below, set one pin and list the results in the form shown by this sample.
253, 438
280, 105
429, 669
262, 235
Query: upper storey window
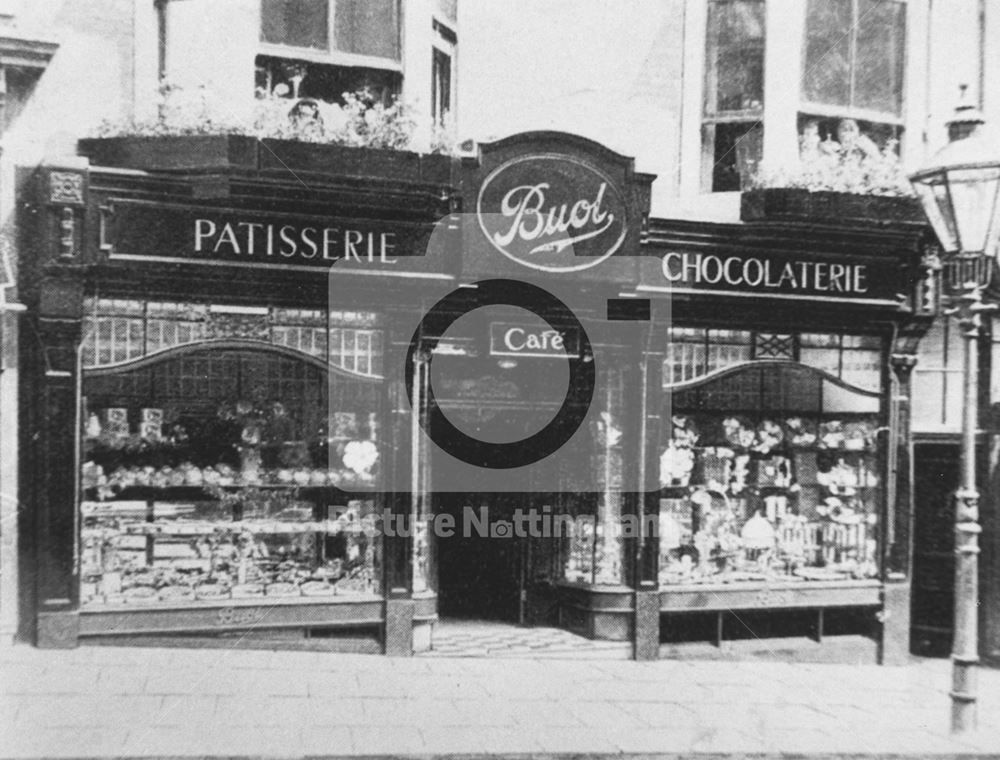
778, 78
732, 129
854, 55
358, 27
296, 23
324, 48
853, 69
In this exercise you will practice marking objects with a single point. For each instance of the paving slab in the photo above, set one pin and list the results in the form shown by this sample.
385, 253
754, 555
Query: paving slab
135, 702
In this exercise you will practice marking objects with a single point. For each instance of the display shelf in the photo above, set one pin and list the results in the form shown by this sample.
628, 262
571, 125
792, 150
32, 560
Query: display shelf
201, 493
180, 529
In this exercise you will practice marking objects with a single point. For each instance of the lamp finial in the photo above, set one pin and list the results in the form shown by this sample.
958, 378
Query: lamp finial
967, 117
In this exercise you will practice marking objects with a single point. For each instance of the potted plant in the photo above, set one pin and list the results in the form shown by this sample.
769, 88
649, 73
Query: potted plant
837, 184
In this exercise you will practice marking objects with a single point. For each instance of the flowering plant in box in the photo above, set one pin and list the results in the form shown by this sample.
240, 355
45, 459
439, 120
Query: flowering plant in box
363, 121
837, 168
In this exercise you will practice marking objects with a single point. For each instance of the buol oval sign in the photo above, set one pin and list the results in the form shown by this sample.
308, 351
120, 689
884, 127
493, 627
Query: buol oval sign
552, 213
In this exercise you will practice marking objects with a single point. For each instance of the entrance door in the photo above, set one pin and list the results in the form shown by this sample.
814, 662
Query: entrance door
480, 575
936, 474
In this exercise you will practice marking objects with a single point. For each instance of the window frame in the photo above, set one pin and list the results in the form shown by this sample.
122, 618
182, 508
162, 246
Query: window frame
331, 55
783, 101
851, 111
712, 117
445, 42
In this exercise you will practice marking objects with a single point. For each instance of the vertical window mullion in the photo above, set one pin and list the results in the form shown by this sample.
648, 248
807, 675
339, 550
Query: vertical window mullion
853, 53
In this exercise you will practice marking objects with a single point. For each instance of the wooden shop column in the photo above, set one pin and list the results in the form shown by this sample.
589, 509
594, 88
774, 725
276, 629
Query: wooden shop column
52, 285
647, 597
895, 616
397, 541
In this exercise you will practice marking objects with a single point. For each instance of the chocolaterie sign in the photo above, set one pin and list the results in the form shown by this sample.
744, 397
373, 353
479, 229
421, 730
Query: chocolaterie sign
774, 273
236, 237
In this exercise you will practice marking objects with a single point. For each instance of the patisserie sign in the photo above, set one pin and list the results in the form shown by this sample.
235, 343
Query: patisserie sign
552, 213
190, 234
763, 273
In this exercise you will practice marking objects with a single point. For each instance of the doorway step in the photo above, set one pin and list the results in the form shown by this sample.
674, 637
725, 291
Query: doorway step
480, 638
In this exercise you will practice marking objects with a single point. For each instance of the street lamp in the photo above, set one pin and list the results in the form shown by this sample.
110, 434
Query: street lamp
959, 189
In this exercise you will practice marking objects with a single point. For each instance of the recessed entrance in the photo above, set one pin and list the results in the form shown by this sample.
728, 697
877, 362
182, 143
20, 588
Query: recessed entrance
485, 570
480, 566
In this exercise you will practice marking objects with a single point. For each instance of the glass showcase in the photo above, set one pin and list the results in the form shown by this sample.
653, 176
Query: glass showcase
773, 469
234, 471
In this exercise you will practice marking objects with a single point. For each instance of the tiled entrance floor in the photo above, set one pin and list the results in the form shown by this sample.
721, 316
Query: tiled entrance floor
481, 638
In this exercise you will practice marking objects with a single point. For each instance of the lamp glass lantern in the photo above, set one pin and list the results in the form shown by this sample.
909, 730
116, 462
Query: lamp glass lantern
959, 190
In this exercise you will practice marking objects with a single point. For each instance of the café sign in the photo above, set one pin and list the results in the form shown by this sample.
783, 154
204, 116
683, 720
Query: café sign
510, 339
552, 213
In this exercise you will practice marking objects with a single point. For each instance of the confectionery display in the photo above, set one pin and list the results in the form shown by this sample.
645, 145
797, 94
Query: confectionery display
247, 501
747, 499
137, 552
594, 547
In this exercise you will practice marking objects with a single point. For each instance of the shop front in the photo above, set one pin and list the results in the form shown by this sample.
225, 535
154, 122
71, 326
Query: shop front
207, 431
780, 395
326, 409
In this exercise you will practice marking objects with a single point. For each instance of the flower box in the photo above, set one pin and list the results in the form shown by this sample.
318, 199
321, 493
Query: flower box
221, 152
798, 205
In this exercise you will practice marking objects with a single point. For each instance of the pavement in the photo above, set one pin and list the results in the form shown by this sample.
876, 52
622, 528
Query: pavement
147, 702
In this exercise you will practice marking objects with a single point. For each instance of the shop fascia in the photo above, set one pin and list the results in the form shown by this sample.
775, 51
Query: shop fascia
758, 272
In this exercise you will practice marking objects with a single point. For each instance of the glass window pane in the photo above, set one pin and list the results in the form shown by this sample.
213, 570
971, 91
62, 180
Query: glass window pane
448, 9
440, 85
929, 410
819, 340
735, 69
863, 368
974, 197
837, 400
734, 150
301, 23
367, 27
862, 341
827, 74
878, 67
826, 359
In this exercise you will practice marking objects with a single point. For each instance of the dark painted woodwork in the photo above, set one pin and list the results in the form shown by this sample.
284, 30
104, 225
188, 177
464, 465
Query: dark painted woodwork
794, 204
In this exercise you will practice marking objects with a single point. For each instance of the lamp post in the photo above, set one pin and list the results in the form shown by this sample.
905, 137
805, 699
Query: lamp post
959, 189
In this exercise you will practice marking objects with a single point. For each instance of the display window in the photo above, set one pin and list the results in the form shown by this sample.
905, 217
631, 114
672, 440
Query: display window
770, 468
596, 550
228, 454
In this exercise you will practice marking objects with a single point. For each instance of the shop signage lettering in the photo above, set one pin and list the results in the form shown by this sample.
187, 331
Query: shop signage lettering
290, 241
264, 240
239, 616
508, 339
754, 272
552, 213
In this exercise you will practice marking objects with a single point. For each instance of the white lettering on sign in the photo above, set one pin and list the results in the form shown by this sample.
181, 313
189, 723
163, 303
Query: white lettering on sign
553, 212
508, 339
524, 205
517, 339
757, 273
288, 241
